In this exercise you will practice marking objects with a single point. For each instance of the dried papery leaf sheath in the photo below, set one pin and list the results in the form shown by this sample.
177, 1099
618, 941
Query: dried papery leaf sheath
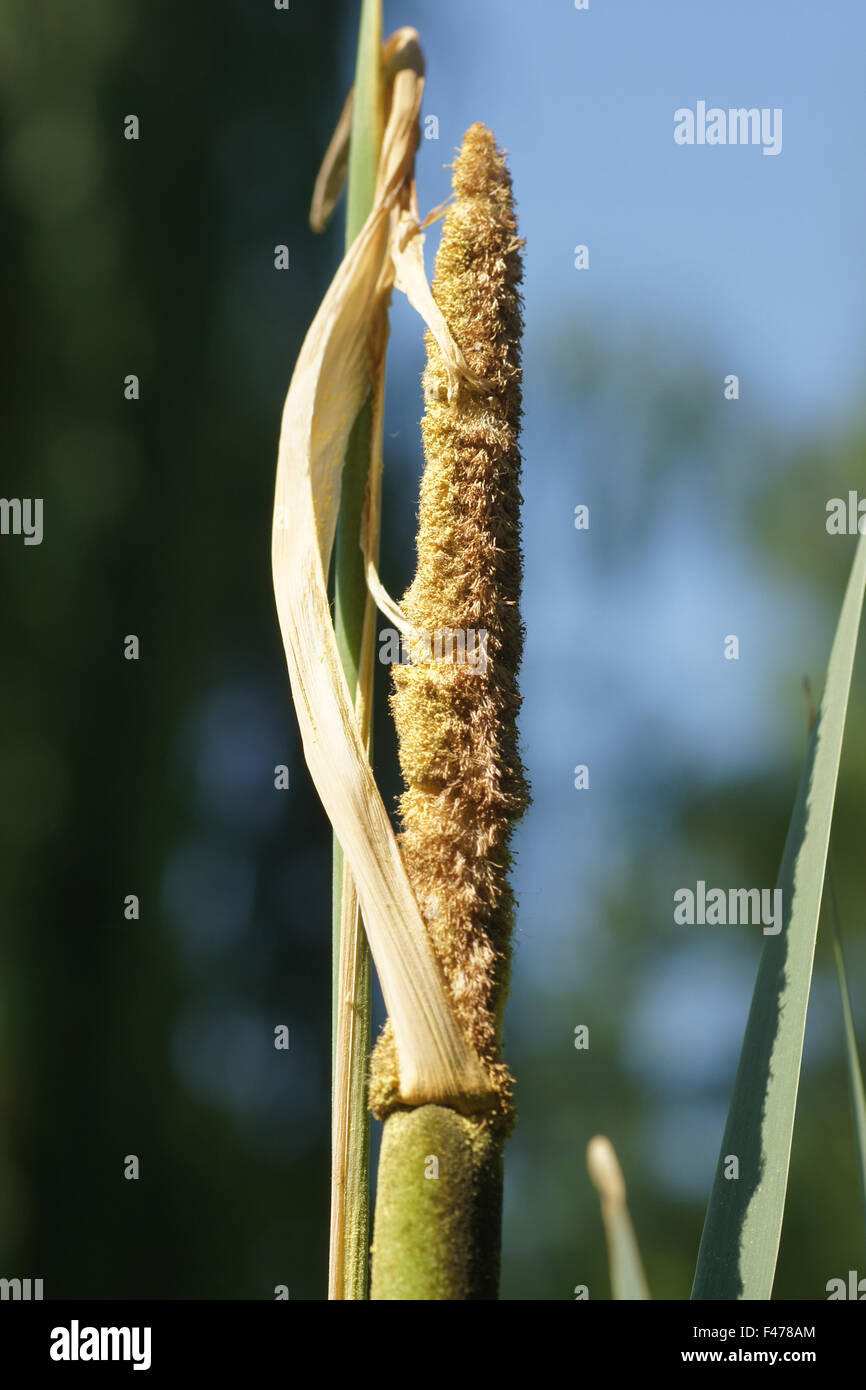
328, 387
456, 718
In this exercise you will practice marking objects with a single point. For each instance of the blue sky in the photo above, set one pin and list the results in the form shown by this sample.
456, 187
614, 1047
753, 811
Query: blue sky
749, 263
761, 256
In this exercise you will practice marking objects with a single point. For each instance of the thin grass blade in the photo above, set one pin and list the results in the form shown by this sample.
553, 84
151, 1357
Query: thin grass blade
348, 1276
740, 1242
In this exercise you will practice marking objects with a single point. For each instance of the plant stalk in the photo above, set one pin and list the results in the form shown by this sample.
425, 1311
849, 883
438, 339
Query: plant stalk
354, 626
438, 1214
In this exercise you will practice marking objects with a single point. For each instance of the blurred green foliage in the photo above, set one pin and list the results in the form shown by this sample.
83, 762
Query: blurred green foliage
156, 257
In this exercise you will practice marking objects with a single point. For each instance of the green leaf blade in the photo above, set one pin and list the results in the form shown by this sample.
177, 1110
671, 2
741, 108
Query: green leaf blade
367, 120
349, 1276
740, 1242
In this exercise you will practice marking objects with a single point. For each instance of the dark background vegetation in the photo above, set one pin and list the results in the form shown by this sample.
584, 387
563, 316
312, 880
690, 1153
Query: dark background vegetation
155, 1037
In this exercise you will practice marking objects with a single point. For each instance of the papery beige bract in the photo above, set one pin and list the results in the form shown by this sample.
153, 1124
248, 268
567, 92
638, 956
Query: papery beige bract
330, 383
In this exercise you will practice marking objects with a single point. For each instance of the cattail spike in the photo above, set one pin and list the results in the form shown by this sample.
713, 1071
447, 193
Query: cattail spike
455, 706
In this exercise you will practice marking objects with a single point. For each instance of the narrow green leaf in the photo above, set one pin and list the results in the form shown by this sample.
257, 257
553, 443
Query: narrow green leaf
740, 1242
368, 108
855, 1075
350, 1263
627, 1279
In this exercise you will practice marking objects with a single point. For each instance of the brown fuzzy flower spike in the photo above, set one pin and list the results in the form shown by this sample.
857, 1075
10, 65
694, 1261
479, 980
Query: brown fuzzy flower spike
456, 704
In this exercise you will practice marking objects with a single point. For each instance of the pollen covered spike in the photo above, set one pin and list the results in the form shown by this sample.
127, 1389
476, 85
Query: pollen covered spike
455, 705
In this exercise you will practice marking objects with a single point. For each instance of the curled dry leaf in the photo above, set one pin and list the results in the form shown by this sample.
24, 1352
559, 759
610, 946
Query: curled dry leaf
331, 381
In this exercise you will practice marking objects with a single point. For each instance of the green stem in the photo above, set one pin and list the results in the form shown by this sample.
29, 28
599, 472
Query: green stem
350, 594
438, 1208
